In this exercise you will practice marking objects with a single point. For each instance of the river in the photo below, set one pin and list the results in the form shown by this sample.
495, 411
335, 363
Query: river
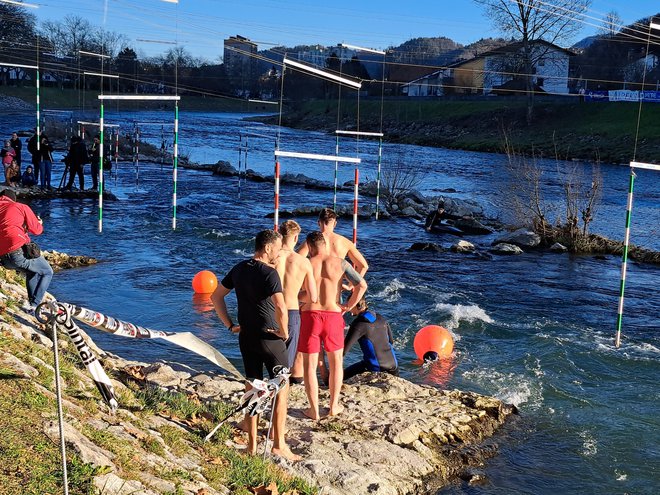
535, 330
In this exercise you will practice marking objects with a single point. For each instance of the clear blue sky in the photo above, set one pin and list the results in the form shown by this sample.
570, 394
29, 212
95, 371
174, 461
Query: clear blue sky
201, 25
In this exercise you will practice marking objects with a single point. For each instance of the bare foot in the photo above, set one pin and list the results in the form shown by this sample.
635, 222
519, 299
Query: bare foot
336, 411
311, 414
286, 453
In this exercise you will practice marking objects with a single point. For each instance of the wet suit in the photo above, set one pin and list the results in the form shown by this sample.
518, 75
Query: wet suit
374, 335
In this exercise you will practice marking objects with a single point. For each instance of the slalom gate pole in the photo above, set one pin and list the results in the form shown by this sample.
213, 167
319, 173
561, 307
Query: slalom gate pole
116, 154
334, 198
137, 157
380, 155
355, 204
624, 264
240, 156
176, 161
38, 109
245, 162
276, 215
101, 170
60, 412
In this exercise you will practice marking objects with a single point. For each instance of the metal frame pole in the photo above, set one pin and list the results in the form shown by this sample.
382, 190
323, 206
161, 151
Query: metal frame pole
380, 155
355, 204
334, 198
60, 412
276, 215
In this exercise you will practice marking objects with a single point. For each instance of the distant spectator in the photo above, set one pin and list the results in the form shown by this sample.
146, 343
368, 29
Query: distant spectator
13, 174
28, 179
95, 157
76, 158
45, 162
8, 155
32, 147
18, 146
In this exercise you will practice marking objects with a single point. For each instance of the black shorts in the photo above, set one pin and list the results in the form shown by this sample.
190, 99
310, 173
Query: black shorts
259, 352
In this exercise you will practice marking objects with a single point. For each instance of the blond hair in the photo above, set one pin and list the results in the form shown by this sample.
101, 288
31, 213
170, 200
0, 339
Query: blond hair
289, 228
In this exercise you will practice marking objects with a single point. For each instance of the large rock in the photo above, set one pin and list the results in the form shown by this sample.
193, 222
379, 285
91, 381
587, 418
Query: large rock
558, 248
523, 238
225, 169
425, 246
463, 247
470, 225
62, 261
457, 208
506, 249
393, 436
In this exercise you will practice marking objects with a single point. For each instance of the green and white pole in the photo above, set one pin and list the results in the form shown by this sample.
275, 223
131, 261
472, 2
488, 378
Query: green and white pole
626, 243
101, 170
624, 264
380, 155
176, 161
334, 198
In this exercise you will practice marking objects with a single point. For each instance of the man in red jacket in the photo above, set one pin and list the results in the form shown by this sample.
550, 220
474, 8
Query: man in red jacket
16, 221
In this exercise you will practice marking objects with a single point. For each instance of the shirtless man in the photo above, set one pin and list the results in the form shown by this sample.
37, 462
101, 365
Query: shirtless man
322, 322
338, 245
294, 270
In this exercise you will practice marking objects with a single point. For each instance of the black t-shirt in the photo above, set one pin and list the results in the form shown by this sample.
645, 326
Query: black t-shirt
255, 283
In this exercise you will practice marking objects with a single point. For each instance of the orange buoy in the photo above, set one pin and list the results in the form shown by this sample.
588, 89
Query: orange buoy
204, 282
433, 338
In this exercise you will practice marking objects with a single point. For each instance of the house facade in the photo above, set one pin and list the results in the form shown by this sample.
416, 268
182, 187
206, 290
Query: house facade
499, 71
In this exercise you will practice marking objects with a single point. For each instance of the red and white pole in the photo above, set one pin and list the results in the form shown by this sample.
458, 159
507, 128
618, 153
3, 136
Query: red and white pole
276, 216
355, 204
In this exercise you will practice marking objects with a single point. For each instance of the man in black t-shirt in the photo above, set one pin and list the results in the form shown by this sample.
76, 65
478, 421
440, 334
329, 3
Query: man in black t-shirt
262, 327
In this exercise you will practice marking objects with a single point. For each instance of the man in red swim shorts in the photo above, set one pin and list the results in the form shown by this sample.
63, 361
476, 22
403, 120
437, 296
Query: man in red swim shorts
322, 322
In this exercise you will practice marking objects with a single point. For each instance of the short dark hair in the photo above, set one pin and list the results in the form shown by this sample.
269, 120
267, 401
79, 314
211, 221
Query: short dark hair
264, 238
326, 215
315, 238
9, 193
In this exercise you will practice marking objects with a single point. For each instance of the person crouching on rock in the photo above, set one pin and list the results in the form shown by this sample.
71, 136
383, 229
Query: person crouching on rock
16, 220
262, 327
28, 179
374, 335
435, 217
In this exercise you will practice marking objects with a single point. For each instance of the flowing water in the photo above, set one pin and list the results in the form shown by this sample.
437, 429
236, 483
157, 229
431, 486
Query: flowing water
534, 330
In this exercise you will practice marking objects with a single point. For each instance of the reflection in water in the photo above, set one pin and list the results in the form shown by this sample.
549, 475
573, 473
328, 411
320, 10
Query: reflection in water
201, 303
437, 373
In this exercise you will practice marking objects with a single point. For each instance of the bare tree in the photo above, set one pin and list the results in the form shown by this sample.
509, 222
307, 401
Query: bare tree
399, 179
612, 24
535, 20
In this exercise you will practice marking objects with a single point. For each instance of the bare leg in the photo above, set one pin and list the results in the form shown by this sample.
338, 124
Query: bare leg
252, 433
335, 361
323, 368
297, 369
280, 447
311, 384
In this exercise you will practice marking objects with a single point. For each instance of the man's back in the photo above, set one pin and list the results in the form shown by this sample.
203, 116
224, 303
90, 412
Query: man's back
292, 269
328, 271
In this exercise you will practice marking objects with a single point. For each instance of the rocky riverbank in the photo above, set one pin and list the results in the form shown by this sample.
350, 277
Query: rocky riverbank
395, 437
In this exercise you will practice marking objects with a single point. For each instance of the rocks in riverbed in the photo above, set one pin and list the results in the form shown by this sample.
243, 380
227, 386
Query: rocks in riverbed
523, 238
558, 248
426, 246
61, 261
471, 225
506, 249
463, 247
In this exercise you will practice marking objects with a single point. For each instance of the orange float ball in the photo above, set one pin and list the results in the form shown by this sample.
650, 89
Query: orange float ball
204, 282
433, 338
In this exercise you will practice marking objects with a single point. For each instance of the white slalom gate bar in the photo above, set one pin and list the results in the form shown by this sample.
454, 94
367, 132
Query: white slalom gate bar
276, 215
322, 73
626, 244
21, 66
360, 133
264, 101
362, 49
111, 76
96, 124
140, 97
355, 204
647, 166
314, 156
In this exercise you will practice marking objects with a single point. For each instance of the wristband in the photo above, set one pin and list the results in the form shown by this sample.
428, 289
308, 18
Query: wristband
230, 327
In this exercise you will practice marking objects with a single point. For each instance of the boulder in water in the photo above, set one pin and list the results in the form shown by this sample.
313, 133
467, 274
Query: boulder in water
425, 246
558, 248
470, 225
506, 249
523, 238
463, 247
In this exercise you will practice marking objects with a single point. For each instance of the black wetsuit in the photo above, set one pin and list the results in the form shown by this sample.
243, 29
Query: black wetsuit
255, 283
374, 335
